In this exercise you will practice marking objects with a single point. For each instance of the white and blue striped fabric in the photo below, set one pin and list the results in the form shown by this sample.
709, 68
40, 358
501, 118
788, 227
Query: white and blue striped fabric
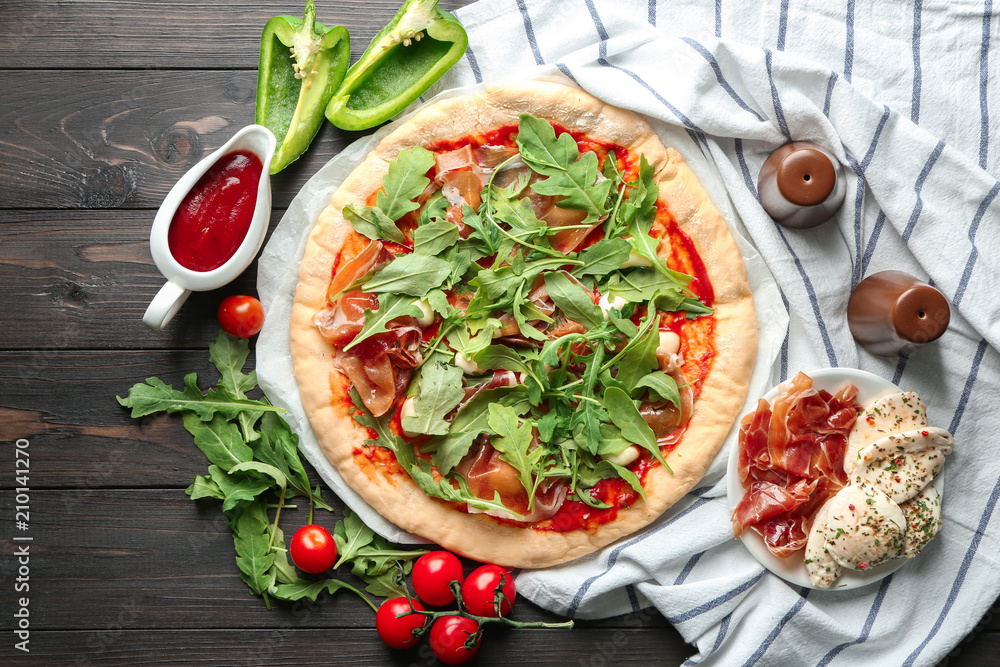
902, 93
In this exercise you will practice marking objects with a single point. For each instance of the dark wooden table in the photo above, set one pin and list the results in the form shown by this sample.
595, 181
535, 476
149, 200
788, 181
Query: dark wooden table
103, 105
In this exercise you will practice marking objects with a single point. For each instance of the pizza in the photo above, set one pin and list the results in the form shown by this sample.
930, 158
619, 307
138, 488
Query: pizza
522, 330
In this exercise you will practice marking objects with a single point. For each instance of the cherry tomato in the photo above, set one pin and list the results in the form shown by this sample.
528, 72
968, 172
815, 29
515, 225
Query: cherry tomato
313, 549
433, 574
241, 315
448, 638
395, 622
479, 591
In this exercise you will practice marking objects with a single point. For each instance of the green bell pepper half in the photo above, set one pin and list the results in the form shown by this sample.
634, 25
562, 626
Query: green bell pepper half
293, 89
419, 45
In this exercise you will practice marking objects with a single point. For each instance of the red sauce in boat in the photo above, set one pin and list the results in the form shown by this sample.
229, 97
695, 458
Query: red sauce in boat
214, 217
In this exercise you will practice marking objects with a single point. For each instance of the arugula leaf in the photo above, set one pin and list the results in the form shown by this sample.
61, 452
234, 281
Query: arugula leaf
204, 487
642, 284
377, 564
229, 400
432, 238
569, 177
306, 588
470, 347
695, 308
391, 306
603, 257
501, 356
661, 387
485, 234
278, 446
262, 469
438, 302
589, 414
218, 439
624, 473
373, 223
469, 423
622, 323
640, 359
518, 213
434, 210
522, 309
572, 300
234, 488
389, 584
284, 571
404, 181
612, 441
513, 441
538, 145
384, 435
461, 256
411, 274
548, 423
439, 391
253, 556
634, 428
421, 474
351, 535
370, 555
156, 396
639, 207
229, 355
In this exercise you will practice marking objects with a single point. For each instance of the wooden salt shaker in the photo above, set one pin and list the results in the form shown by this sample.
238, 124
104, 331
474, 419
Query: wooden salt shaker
892, 313
801, 185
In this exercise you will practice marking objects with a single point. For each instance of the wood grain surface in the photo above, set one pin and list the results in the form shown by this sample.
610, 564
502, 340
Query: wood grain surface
103, 105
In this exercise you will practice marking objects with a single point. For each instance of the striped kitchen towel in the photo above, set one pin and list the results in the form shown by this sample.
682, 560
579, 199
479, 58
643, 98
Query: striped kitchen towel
902, 95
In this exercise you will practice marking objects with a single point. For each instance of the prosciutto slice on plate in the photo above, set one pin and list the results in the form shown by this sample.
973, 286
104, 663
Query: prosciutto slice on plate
790, 461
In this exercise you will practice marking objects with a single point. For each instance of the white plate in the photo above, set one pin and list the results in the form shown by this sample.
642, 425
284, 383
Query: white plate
793, 569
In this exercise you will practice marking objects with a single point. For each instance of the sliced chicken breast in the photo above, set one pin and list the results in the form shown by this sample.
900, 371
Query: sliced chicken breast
892, 413
864, 527
923, 520
823, 569
903, 464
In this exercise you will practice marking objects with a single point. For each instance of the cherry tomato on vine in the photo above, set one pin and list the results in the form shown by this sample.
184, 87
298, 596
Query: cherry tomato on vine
432, 576
448, 638
241, 316
480, 590
313, 549
395, 622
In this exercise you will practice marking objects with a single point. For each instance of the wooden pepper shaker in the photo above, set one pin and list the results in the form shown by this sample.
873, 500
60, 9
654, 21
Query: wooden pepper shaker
892, 313
801, 185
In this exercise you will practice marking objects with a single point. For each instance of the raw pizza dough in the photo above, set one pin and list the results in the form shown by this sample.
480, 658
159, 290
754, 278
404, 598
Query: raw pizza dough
324, 390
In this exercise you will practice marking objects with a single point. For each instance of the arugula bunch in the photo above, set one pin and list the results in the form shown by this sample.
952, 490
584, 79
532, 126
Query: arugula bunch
585, 370
255, 468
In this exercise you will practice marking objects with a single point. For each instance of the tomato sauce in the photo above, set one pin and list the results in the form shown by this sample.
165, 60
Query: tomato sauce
684, 257
214, 217
576, 515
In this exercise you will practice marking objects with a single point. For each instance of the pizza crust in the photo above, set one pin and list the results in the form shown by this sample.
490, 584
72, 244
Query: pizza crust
324, 390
